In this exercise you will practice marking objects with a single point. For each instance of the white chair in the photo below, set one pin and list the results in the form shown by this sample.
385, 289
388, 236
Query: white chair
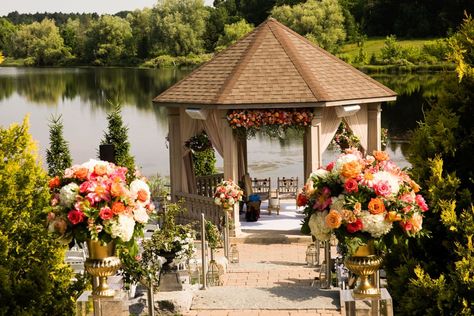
75, 258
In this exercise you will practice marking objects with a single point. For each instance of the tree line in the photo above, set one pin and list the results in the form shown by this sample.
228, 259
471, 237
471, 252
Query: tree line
174, 28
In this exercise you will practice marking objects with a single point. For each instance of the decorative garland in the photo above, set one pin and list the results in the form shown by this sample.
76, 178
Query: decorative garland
272, 122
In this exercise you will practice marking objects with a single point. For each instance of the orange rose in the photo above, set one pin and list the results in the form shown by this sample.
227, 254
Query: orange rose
357, 208
142, 195
116, 189
54, 182
380, 155
81, 173
376, 206
351, 169
333, 219
100, 170
118, 207
414, 186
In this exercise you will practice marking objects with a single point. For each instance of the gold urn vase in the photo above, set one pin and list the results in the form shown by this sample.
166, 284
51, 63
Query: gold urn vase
102, 263
364, 263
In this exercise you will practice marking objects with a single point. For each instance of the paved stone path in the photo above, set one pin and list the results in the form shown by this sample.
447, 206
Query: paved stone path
270, 279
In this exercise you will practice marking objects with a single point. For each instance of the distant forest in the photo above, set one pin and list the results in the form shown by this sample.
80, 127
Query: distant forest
189, 28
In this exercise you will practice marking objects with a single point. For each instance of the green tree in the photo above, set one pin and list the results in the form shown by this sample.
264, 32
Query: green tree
58, 156
7, 29
179, 27
74, 35
109, 41
140, 22
322, 22
34, 280
117, 135
232, 33
41, 43
434, 276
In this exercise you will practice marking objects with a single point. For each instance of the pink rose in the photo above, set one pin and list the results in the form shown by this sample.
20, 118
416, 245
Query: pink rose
351, 185
407, 198
106, 213
355, 226
76, 217
86, 186
383, 188
421, 202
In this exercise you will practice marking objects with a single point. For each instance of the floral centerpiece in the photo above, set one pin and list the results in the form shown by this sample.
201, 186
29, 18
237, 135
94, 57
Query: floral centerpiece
271, 121
93, 201
227, 194
361, 199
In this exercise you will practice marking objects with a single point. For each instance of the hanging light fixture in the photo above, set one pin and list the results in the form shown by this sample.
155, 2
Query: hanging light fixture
312, 255
234, 254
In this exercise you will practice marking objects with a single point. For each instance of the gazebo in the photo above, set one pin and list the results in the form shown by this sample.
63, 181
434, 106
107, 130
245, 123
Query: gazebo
271, 68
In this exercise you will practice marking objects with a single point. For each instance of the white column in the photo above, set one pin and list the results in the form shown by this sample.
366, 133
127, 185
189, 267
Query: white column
374, 127
175, 149
312, 144
231, 164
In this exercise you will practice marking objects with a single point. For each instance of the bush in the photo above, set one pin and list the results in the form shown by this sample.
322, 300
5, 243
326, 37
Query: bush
437, 49
34, 280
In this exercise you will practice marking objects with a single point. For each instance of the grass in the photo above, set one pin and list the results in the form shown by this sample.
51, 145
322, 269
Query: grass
374, 45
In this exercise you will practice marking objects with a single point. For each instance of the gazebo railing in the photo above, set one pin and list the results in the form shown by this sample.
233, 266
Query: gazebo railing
195, 205
206, 185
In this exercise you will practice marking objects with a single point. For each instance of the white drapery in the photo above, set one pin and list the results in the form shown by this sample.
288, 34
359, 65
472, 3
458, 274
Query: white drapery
329, 124
189, 127
213, 127
358, 124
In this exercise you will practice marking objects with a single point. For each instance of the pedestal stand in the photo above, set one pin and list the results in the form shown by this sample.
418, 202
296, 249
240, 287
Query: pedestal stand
373, 306
90, 305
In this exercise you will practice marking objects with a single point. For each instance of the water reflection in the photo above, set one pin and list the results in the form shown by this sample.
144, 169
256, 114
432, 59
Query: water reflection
81, 94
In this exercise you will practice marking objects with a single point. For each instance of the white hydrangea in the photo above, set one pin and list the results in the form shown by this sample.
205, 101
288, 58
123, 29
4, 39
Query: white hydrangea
392, 180
376, 225
140, 215
217, 201
338, 202
67, 194
122, 227
343, 160
93, 162
317, 225
319, 174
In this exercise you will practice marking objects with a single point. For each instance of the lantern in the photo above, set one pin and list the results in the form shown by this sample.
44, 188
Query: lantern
234, 254
212, 276
312, 255
194, 271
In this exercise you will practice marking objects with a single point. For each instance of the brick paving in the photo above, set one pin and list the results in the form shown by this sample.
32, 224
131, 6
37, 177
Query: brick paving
268, 266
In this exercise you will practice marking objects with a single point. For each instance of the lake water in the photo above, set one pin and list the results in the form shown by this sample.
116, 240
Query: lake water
81, 96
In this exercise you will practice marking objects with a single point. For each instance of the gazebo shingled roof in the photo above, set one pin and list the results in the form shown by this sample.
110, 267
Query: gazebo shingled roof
274, 67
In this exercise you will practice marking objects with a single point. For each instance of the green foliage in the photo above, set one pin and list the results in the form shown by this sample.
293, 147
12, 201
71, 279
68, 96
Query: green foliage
117, 135
34, 280
166, 61
213, 236
322, 22
140, 22
58, 156
41, 42
7, 29
461, 49
391, 50
179, 26
232, 33
109, 41
204, 162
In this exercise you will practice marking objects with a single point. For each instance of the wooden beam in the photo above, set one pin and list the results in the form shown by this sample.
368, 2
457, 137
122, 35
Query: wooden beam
312, 144
175, 150
374, 127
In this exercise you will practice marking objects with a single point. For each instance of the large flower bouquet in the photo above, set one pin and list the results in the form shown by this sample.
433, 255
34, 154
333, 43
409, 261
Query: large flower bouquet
361, 199
227, 194
94, 201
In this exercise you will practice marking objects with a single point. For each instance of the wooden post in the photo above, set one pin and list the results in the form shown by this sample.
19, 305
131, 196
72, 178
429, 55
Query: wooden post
230, 166
374, 128
312, 144
203, 252
175, 150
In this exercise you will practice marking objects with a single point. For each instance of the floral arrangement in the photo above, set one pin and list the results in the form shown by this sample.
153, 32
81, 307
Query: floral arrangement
345, 138
272, 121
227, 194
361, 199
94, 201
199, 142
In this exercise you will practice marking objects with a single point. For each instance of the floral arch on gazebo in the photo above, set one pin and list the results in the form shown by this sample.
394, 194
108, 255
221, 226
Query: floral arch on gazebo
271, 68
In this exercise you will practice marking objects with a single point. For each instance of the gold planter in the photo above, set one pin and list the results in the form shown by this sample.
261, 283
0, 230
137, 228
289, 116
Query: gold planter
102, 263
364, 263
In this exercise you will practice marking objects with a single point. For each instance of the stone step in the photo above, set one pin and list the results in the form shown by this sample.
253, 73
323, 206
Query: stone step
268, 237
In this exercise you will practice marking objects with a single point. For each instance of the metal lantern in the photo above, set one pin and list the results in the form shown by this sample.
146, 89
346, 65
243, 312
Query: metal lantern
194, 271
212, 276
312, 255
234, 254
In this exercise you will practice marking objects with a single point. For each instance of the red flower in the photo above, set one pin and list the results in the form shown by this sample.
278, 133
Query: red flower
106, 213
76, 217
330, 166
355, 226
421, 202
54, 182
301, 200
351, 185
407, 226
